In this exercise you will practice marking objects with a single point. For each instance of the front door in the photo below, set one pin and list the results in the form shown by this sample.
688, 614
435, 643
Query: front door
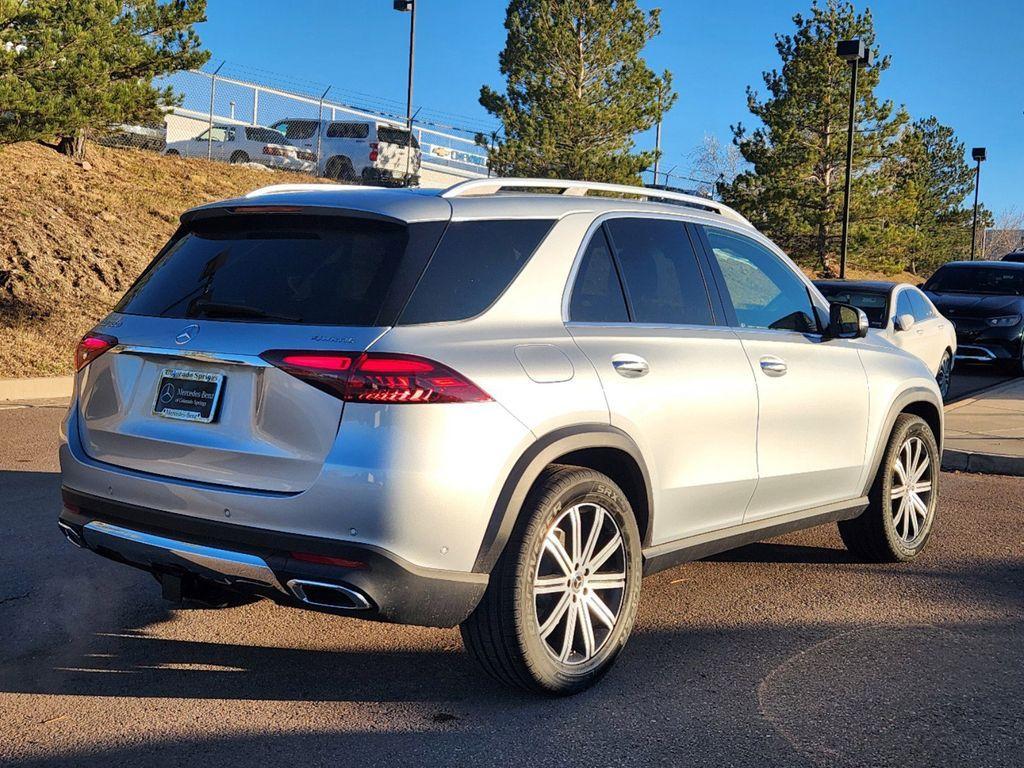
676, 379
813, 394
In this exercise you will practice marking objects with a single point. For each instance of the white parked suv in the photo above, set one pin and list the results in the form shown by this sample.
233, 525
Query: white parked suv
245, 144
494, 406
371, 151
905, 316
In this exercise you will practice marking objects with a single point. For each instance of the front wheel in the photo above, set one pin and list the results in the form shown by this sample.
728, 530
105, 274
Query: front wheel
901, 511
945, 374
562, 598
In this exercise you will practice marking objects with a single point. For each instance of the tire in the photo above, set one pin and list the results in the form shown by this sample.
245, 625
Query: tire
894, 530
504, 633
945, 374
239, 157
173, 153
340, 168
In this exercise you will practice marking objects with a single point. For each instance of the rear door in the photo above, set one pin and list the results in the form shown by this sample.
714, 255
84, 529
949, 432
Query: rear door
812, 426
917, 340
186, 393
676, 379
933, 329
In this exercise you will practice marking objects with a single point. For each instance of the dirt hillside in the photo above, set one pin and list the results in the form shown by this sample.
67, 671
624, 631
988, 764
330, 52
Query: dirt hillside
73, 238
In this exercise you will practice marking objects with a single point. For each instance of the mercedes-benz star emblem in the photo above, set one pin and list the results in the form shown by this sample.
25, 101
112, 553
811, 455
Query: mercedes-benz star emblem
188, 333
167, 393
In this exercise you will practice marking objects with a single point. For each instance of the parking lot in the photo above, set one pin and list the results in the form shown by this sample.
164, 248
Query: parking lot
782, 653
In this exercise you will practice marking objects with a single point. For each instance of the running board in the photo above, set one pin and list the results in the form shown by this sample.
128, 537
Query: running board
673, 553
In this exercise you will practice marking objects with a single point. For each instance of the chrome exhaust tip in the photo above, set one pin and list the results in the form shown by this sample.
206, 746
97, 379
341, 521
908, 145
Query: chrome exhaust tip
71, 534
325, 595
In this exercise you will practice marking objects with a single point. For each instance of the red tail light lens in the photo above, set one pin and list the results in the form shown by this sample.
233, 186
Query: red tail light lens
90, 347
340, 562
378, 377
270, 149
374, 146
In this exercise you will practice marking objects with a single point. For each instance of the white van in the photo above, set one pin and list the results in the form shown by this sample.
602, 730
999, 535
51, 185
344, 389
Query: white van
372, 151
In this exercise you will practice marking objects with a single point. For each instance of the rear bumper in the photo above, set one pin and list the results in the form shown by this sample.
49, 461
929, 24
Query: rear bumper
259, 562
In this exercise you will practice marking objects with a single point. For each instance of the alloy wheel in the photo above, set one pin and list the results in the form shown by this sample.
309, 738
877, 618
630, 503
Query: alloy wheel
579, 583
944, 375
911, 491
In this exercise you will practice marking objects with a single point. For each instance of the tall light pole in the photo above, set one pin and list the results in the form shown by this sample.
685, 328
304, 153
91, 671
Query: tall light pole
979, 155
408, 6
859, 55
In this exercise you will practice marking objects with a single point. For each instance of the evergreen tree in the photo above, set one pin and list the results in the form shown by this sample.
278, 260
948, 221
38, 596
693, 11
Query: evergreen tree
794, 188
577, 90
68, 67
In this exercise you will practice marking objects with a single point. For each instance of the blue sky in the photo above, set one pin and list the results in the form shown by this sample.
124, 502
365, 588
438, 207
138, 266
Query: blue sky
959, 61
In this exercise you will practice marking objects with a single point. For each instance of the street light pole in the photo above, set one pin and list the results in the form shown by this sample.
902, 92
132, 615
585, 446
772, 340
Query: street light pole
978, 154
408, 6
858, 54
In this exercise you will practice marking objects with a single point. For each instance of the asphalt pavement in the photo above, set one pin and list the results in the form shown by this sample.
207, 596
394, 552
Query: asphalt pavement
785, 653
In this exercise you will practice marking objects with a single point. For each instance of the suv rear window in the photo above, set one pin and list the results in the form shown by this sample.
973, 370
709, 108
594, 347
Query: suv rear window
472, 266
348, 130
397, 136
317, 270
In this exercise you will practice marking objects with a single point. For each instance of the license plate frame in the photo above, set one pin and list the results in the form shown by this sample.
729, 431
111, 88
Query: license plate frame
200, 403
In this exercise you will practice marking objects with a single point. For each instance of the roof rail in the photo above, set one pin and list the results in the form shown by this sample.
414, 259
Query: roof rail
275, 189
581, 188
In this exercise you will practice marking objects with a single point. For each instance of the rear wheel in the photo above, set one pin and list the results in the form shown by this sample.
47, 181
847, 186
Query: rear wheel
239, 157
340, 168
945, 374
562, 599
173, 153
901, 511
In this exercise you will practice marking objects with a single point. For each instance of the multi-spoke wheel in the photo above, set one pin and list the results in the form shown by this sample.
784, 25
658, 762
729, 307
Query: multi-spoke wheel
562, 598
899, 517
945, 374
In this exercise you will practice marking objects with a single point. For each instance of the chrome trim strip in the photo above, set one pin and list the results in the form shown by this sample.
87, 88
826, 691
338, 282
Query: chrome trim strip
188, 354
149, 549
361, 603
974, 352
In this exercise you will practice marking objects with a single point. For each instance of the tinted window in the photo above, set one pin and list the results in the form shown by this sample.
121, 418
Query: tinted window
314, 270
903, 305
474, 262
660, 272
981, 279
597, 294
348, 130
296, 129
1016, 256
395, 136
764, 291
921, 308
265, 135
874, 303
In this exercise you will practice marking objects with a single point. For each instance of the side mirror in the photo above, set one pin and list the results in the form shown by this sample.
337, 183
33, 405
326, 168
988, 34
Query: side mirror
846, 322
904, 322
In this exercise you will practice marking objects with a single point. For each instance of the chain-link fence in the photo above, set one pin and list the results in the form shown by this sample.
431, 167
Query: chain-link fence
250, 116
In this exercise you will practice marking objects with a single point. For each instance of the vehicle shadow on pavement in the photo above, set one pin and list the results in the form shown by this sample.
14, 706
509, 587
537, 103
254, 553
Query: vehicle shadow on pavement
773, 552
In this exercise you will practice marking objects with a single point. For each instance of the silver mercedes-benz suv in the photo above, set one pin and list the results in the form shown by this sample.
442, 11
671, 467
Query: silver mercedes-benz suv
497, 405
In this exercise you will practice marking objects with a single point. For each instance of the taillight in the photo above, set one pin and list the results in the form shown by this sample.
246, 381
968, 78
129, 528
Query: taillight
270, 149
373, 150
340, 562
90, 347
377, 377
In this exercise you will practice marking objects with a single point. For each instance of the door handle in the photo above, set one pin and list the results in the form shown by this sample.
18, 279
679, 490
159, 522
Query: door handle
630, 366
773, 366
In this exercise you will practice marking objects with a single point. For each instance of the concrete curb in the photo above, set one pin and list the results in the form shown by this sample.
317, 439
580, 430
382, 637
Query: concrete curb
982, 463
40, 388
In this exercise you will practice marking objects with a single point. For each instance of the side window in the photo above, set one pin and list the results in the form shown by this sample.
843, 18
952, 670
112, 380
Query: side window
659, 269
764, 291
903, 305
217, 133
597, 293
920, 307
348, 130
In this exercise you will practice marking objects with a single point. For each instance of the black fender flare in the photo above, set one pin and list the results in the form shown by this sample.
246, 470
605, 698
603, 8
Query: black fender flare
527, 469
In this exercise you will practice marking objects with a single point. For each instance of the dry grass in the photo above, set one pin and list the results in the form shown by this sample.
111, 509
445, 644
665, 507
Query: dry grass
72, 239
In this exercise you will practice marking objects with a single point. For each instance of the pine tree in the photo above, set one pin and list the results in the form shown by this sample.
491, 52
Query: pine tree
577, 90
933, 175
70, 67
794, 189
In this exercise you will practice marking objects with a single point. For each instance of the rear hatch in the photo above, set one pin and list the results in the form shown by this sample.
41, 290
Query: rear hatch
185, 392
394, 145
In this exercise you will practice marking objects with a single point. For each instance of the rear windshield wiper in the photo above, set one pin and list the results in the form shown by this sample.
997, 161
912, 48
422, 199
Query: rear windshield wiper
226, 309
